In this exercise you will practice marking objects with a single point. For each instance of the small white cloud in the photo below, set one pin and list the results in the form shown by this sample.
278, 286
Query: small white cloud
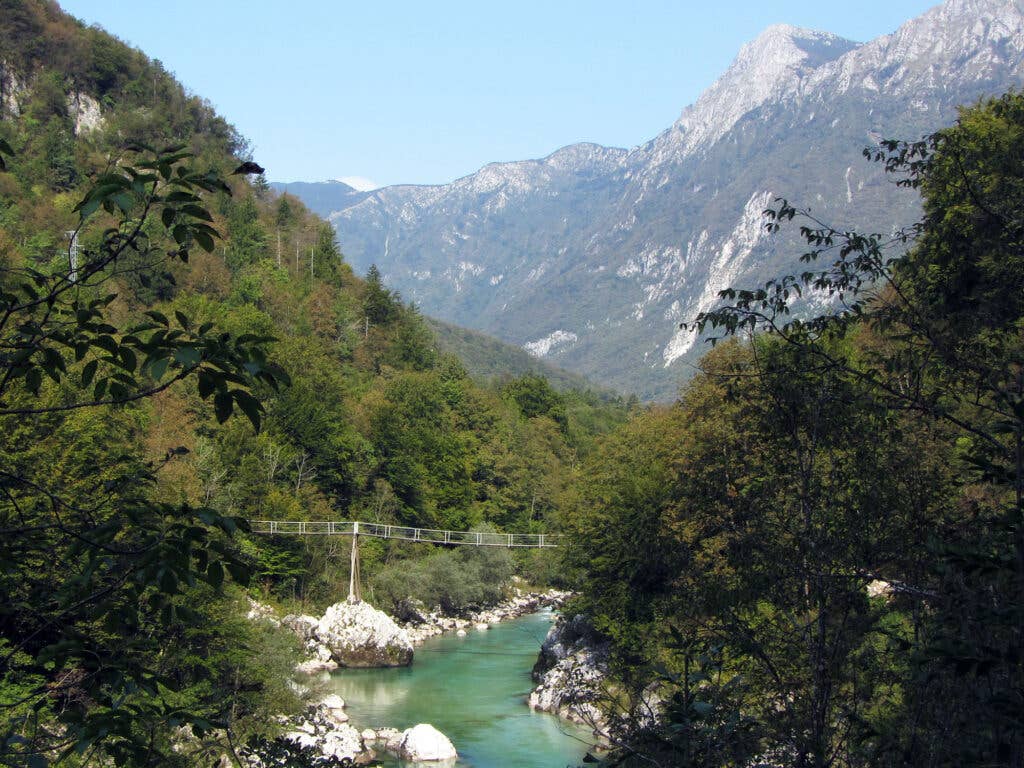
361, 183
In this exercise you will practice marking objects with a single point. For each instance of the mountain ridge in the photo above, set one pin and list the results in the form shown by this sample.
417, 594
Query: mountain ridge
593, 255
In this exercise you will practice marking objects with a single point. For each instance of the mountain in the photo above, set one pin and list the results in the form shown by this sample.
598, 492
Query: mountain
321, 197
591, 257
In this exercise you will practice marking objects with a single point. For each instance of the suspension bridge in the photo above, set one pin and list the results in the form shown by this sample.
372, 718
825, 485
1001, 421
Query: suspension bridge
355, 529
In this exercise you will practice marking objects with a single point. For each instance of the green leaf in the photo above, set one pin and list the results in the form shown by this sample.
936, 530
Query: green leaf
250, 406
33, 380
248, 167
239, 573
88, 372
188, 356
124, 201
88, 207
183, 321
215, 574
180, 196
222, 405
197, 211
204, 240
128, 359
106, 343
158, 368
5, 149
208, 382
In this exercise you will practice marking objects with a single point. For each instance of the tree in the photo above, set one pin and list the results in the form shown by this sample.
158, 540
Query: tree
380, 305
534, 396
78, 642
943, 320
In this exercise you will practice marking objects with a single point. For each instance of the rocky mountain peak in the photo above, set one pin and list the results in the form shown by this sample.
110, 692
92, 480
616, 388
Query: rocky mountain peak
774, 62
584, 155
958, 42
959, 27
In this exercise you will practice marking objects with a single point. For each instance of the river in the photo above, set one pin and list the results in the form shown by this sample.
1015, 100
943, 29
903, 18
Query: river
473, 689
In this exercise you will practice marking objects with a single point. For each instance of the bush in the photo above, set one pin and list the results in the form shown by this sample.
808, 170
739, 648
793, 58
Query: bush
454, 579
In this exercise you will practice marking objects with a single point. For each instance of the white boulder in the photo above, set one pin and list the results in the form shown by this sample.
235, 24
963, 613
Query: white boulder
318, 736
334, 709
424, 743
358, 635
342, 743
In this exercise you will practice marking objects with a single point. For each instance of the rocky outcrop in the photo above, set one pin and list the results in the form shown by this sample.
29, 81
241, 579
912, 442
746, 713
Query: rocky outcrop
12, 87
424, 743
358, 635
321, 738
570, 673
350, 635
261, 612
85, 112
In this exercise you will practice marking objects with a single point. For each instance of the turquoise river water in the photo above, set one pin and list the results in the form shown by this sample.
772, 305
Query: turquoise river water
473, 689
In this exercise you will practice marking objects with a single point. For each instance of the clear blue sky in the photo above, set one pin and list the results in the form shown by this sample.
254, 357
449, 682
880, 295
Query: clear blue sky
426, 92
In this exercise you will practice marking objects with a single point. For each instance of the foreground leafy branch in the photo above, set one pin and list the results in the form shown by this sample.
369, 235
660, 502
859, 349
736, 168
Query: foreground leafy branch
79, 643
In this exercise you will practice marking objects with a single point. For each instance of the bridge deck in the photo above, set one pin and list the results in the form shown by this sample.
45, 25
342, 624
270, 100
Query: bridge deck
406, 533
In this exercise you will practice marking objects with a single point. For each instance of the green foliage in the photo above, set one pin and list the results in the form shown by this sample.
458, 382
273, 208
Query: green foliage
94, 625
880, 441
380, 305
456, 580
534, 396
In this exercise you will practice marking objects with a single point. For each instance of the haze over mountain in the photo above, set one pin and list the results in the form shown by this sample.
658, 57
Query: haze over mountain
592, 256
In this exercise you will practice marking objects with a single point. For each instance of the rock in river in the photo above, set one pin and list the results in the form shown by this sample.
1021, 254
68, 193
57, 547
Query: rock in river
358, 635
424, 743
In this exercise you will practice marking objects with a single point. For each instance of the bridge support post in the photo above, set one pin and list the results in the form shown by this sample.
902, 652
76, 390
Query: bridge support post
354, 591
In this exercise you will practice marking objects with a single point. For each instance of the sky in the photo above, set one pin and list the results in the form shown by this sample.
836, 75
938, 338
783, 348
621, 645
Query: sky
415, 92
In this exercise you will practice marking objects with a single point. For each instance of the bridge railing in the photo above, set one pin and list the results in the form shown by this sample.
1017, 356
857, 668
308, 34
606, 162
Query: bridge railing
405, 533
306, 527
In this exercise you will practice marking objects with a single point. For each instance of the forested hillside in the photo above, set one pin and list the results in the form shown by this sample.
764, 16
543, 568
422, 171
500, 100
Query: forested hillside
181, 351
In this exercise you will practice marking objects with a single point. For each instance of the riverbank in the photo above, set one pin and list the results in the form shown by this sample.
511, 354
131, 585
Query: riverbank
357, 635
421, 625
